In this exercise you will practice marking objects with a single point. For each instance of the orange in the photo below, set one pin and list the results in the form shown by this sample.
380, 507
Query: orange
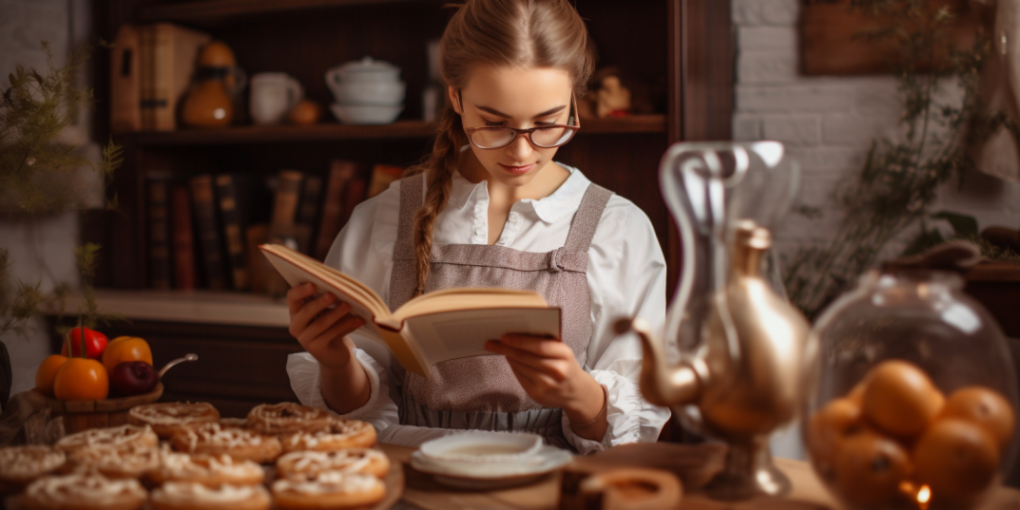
900, 399
827, 428
957, 459
126, 348
81, 379
869, 468
985, 408
46, 374
856, 394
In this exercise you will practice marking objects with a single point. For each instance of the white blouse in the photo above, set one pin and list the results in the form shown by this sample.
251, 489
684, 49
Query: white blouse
626, 278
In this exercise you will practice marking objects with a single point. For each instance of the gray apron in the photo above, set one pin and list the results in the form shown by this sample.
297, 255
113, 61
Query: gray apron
481, 392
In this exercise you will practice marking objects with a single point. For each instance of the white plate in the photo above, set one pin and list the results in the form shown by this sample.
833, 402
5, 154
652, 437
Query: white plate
473, 476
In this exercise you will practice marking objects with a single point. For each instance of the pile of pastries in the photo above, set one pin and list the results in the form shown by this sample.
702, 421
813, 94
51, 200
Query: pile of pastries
204, 462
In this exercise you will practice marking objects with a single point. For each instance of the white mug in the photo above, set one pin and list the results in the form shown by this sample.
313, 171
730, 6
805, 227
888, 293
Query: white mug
272, 96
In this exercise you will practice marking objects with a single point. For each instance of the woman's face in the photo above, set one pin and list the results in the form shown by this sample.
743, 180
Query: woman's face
519, 98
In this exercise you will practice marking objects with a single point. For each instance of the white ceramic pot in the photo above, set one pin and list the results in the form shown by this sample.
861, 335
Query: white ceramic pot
272, 96
362, 71
365, 114
369, 93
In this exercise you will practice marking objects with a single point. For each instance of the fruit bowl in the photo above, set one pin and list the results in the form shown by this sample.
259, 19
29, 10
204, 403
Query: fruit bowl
81, 415
914, 395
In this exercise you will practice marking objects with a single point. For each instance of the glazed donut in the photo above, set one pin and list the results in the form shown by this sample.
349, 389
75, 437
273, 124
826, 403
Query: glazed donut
355, 460
20, 465
631, 488
339, 435
127, 461
80, 491
287, 418
124, 435
328, 489
167, 417
235, 422
196, 496
216, 439
208, 470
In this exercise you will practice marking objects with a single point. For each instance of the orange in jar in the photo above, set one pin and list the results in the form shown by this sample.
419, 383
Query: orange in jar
957, 460
900, 399
828, 426
869, 468
985, 408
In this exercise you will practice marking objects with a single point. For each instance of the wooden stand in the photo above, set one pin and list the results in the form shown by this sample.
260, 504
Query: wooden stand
82, 415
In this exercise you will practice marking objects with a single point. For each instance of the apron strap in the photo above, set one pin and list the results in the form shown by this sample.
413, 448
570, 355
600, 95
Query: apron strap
586, 220
412, 197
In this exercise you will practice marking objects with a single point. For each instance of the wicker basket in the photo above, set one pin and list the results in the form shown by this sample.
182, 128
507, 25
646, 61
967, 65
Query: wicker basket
81, 415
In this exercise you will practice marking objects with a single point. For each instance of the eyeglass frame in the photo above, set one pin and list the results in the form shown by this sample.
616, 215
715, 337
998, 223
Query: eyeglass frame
519, 131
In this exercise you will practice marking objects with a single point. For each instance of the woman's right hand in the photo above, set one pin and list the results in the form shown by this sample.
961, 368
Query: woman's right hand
320, 330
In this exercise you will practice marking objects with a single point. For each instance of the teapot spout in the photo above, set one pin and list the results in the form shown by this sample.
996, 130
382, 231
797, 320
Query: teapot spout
661, 385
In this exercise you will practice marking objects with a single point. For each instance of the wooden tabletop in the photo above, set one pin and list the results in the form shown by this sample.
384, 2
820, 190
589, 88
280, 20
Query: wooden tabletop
689, 462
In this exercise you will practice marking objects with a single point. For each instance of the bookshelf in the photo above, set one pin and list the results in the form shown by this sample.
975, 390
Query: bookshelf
679, 51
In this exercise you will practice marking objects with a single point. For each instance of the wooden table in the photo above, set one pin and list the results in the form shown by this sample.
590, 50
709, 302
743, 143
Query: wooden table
691, 463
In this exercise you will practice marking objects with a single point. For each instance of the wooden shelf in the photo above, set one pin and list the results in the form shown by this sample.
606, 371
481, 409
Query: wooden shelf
405, 129
211, 10
208, 307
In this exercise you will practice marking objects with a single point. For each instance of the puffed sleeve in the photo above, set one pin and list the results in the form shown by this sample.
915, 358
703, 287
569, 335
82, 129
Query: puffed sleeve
626, 278
364, 248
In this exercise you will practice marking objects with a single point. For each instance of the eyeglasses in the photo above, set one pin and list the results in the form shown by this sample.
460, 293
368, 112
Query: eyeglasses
544, 137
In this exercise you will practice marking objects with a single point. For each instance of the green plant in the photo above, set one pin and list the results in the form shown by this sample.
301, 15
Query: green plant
37, 177
900, 178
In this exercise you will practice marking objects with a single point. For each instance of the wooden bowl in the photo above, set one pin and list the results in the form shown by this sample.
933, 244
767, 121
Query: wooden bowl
82, 415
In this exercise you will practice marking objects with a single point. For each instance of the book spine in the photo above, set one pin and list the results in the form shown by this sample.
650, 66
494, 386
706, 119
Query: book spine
311, 200
227, 194
145, 61
159, 234
286, 201
162, 74
355, 194
184, 242
330, 223
382, 177
208, 235
125, 101
255, 235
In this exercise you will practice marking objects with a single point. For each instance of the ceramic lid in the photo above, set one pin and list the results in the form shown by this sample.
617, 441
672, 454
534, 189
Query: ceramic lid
368, 65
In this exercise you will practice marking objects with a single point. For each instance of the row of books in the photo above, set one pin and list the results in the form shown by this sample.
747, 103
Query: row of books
151, 69
204, 232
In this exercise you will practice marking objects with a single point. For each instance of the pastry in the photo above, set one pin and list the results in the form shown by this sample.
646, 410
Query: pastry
196, 496
287, 418
128, 461
167, 417
217, 439
235, 422
123, 435
80, 491
354, 460
20, 465
328, 489
209, 470
339, 435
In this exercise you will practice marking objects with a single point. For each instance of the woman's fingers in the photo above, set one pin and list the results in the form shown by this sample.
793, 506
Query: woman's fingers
553, 367
302, 319
539, 346
296, 296
538, 379
320, 324
338, 330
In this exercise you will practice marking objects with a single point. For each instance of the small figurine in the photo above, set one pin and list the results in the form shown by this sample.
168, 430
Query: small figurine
611, 98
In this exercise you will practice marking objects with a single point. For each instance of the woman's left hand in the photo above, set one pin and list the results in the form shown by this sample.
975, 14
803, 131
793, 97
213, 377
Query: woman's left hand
549, 373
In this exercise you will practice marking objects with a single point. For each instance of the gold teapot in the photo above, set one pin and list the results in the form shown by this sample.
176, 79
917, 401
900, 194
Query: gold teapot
744, 351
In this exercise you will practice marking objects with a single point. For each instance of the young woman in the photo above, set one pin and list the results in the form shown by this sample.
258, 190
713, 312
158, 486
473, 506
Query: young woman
490, 208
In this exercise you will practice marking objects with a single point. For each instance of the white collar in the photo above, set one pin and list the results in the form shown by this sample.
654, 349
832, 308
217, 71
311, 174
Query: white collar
562, 202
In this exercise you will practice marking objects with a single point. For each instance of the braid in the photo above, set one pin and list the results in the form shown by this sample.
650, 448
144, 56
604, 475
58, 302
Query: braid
438, 176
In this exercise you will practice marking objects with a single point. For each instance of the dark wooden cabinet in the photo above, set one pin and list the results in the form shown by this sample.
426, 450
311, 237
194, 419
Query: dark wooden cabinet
680, 51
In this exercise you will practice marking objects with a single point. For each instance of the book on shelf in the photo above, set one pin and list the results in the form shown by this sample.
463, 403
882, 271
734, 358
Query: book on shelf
232, 197
382, 177
431, 328
183, 238
168, 56
158, 198
331, 219
283, 228
125, 86
209, 240
309, 205
258, 266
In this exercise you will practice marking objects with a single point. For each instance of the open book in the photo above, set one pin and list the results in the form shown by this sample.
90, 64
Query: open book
434, 327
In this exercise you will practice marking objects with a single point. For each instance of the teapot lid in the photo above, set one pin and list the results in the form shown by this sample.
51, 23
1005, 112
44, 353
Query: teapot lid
367, 65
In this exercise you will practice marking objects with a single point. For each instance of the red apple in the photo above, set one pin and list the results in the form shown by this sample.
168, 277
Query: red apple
133, 378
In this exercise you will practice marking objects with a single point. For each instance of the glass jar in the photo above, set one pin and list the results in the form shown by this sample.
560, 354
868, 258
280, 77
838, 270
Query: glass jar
914, 395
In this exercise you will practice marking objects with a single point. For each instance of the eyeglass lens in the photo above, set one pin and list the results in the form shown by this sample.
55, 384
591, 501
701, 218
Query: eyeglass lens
496, 137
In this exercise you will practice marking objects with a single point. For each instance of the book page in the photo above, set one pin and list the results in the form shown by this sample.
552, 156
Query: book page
467, 299
460, 334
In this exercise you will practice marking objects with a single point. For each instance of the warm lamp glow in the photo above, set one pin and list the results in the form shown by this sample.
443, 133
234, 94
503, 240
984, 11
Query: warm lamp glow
923, 496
